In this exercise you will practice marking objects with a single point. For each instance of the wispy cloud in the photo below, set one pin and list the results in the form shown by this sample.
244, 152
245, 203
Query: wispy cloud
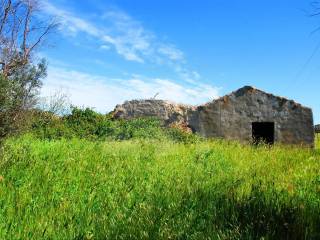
171, 52
69, 21
104, 93
128, 37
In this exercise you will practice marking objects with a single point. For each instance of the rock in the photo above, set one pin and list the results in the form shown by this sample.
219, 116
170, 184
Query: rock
166, 111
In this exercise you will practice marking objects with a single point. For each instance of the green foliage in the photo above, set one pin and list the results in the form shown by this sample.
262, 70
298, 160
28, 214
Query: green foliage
88, 124
5, 105
18, 94
142, 189
178, 135
46, 125
81, 123
143, 128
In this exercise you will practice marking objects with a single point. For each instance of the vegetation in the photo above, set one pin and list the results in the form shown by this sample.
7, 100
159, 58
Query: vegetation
21, 33
88, 124
146, 188
82, 175
18, 94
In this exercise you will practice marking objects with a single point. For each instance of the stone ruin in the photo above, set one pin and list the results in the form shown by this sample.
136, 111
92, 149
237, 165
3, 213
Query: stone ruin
317, 128
247, 114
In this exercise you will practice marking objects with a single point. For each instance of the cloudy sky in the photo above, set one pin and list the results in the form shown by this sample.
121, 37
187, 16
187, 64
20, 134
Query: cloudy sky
109, 51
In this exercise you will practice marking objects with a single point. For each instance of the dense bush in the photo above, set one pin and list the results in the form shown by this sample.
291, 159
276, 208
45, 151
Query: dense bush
143, 128
88, 124
18, 95
46, 125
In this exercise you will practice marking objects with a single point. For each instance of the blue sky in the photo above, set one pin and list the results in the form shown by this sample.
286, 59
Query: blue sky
106, 52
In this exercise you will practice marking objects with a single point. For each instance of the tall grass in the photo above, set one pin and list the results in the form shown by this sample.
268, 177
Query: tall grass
156, 189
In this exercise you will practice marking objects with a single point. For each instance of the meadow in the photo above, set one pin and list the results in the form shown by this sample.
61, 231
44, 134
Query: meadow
157, 189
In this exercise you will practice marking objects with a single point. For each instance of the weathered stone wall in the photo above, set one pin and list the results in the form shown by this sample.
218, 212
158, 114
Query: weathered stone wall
317, 128
231, 116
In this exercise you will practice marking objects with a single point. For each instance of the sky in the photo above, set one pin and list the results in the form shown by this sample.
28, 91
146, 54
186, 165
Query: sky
108, 51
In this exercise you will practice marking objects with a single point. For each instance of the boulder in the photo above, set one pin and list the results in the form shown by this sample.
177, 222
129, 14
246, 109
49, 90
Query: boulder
166, 111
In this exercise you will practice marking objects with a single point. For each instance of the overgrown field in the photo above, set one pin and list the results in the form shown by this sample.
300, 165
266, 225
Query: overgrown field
157, 189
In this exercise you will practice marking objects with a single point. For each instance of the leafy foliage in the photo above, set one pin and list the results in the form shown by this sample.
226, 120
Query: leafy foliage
18, 94
88, 124
21, 33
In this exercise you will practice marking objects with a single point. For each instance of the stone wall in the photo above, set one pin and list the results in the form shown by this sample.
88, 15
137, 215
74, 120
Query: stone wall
231, 116
317, 128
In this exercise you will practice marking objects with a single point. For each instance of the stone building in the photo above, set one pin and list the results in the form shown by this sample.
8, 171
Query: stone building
247, 114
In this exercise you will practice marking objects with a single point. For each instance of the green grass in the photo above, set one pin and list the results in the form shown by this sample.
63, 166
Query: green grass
157, 189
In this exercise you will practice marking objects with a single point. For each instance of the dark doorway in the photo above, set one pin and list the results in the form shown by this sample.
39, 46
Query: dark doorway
263, 132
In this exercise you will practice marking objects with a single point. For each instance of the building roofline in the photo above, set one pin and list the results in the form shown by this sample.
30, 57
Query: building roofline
245, 89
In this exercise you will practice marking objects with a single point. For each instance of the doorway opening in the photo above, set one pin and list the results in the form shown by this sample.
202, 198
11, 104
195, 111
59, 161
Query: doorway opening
263, 132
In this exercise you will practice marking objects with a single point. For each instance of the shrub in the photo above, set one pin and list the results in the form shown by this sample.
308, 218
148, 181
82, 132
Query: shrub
88, 124
46, 125
143, 128
179, 135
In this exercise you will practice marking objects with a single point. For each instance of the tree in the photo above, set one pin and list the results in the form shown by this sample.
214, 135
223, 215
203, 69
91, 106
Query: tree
18, 94
22, 31
58, 103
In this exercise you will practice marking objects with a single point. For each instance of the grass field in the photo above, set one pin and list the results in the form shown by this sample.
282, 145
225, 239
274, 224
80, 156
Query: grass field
135, 189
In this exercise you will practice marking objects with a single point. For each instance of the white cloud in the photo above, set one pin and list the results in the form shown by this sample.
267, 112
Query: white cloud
192, 77
105, 47
105, 93
116, 30
127, 36
70, 22
171, 52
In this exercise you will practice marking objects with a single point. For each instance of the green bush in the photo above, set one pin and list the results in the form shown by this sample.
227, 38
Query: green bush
46, 125
178, 135
88, 124
18, 94
81, 123
143, 128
